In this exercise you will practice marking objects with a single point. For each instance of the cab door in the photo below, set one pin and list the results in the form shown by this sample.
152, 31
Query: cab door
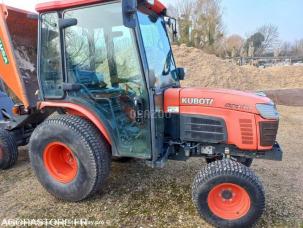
101, 55
159, 59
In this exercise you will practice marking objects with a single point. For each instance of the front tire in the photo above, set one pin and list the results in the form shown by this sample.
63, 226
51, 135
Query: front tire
8, 150
228, 194
244, 161
70, 157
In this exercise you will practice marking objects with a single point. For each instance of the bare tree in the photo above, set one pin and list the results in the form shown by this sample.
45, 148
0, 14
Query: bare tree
253, 45
286, 49
185, 8
297, 48
172, 11
234, 45
200, 23
207, 23
271, 37
183, 12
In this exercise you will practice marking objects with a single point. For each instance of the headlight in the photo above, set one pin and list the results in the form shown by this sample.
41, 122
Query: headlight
268, 111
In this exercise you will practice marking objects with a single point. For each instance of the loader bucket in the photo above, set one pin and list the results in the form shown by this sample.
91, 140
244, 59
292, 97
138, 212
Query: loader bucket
18, 53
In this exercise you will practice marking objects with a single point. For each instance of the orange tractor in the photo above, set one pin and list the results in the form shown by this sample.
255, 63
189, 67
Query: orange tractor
106, 85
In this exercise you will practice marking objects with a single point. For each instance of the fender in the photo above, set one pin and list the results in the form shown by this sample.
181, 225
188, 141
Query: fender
78, 110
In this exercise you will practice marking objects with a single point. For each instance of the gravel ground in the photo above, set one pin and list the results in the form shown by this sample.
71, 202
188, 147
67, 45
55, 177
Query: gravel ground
140, 196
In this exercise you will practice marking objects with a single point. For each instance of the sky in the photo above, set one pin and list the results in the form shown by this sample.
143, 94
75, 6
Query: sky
241, 17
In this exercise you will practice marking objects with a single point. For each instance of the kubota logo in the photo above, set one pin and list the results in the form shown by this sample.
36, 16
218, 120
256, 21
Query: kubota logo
197, 101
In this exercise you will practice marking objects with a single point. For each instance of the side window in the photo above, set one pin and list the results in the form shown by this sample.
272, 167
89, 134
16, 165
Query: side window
127, 62
158, 50
50, 67
101, 54
86, 56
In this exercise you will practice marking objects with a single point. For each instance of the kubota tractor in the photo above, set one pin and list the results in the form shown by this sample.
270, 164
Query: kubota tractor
106, 85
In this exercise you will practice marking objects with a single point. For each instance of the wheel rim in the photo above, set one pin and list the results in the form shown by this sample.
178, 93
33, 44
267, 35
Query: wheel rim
229, 201
60, 162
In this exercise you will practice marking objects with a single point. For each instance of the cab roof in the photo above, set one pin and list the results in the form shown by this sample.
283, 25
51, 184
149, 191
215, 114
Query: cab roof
158, 7
64, 4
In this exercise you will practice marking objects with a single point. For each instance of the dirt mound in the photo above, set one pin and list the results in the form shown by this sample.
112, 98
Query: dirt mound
206, 70
289, 97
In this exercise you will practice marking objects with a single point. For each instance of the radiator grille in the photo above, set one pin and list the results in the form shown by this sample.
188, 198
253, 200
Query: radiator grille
268, 133
202, 129
246, 127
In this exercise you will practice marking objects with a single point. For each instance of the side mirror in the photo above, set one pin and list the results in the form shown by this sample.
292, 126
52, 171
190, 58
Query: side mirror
172, 24
68, 22
152, 79
129, 9
179, 74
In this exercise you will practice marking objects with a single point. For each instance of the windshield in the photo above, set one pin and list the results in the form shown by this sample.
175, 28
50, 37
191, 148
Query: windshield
158, 50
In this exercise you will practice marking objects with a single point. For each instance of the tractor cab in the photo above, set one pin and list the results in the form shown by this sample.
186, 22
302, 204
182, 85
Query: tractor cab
118, 68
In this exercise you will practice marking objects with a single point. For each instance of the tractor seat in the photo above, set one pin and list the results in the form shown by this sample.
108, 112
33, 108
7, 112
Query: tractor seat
89, 79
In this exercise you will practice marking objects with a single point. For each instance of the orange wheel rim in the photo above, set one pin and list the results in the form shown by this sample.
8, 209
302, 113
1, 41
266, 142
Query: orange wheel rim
60, 162
228, 201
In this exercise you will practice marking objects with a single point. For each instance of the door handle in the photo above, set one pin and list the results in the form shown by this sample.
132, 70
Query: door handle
139, 109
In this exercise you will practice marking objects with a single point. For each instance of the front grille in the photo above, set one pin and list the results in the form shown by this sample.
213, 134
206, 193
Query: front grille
268, 132
202, 129
246, 128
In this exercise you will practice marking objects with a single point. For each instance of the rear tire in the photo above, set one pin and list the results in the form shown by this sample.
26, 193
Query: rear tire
8, 150
228, 194
70, 157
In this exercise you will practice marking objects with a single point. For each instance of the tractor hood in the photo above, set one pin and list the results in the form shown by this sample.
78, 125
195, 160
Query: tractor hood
215, 98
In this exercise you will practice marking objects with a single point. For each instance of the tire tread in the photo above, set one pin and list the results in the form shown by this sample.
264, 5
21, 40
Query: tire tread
99, 153
11, 147
226, 167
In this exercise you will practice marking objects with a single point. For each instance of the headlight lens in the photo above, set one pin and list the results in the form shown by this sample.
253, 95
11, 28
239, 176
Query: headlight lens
268, 111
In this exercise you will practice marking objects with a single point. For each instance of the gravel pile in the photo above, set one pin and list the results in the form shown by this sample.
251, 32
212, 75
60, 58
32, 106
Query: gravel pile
207, 70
